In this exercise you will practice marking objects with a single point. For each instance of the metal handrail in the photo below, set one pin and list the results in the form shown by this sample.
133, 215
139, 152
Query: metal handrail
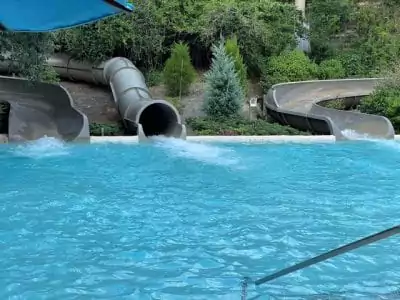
327, 255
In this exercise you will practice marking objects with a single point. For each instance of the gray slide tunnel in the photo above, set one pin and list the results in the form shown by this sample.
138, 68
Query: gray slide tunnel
141, 114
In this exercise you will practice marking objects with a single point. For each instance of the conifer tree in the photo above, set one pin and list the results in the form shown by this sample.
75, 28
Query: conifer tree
223, 93
232, 49
179, 72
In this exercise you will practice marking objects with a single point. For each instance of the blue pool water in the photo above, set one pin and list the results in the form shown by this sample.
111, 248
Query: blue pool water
179, 220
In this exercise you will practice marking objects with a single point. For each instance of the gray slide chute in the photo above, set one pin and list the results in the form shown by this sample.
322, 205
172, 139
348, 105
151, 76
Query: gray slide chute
41, 109
298, 104
141, 113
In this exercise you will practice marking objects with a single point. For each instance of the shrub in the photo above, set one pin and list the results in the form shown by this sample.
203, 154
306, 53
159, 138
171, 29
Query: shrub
98, 129
353, 65
331, 69
223, 92
288, 66
385, 101
238, 126
153, 77
179, 72
232, 49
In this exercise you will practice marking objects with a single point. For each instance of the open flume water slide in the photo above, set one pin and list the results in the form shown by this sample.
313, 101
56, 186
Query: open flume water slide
297, 104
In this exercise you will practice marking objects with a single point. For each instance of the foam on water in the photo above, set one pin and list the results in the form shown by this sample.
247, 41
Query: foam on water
41, 148
354, 135
210, 154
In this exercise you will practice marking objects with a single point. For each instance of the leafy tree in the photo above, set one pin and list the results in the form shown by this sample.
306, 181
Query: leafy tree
223, 95
179, 72
232, 49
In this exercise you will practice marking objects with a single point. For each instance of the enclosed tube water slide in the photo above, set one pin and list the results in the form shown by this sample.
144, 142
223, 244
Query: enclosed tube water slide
41, 109
141, 113
298, 104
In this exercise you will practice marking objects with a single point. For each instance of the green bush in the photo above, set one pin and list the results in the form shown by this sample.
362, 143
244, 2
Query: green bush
153, 77
353, 64
288, 66
232, 49
331, 69
98, 129
179, 72
385, 101
238, 126
223, 93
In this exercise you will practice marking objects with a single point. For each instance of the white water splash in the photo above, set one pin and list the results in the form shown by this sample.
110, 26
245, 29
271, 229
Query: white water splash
41, 148
354, 135
201, 152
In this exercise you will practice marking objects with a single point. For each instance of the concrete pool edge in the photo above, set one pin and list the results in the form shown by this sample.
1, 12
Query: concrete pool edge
227, 139
221, 139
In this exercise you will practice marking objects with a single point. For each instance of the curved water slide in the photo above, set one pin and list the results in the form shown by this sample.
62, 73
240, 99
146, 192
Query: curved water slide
298, 104
41, 109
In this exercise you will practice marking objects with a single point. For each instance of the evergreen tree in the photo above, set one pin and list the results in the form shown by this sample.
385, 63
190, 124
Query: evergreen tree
179, 72
232, 49
223, 93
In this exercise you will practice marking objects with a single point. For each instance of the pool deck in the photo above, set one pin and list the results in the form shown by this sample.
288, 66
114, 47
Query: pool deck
221, 139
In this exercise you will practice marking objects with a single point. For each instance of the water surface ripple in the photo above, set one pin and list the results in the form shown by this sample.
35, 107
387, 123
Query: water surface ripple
177, 220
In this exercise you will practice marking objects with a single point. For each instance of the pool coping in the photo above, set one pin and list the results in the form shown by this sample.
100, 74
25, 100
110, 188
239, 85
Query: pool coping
226, 139
221, 139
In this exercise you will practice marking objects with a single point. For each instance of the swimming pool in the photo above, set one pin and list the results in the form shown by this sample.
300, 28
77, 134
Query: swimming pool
179, 220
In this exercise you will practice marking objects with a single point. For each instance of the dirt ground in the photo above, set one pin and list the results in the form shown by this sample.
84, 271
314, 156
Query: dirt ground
97, 102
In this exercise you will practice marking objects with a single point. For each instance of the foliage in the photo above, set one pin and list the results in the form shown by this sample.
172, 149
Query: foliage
29, 51
385, 100
98, 129
153, 77
263, 28
138, 36
238, 126
176, 102
328, 20
335, 104
331, 69
179, 72
352, 62
223, 93
289, 66
232, 49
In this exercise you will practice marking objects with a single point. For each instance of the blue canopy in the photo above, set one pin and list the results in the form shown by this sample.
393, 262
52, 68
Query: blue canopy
49, 15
